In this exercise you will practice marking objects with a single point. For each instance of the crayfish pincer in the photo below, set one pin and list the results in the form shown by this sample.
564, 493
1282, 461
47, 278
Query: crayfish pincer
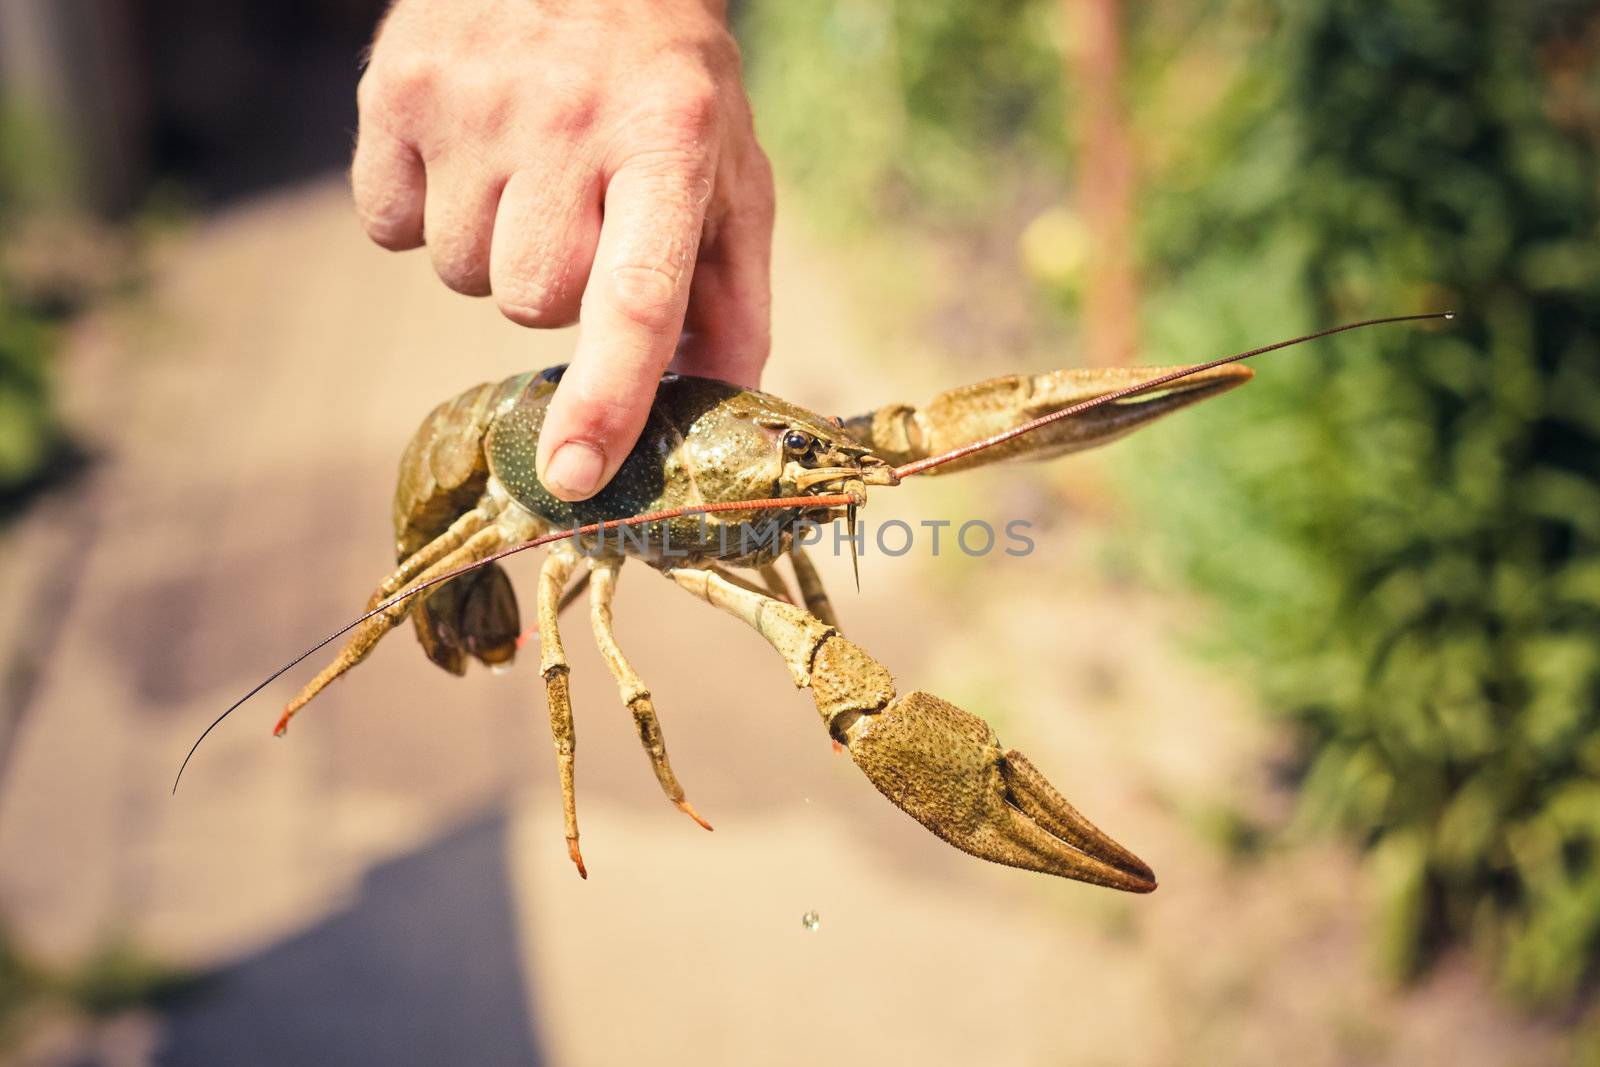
712, 496
935, 762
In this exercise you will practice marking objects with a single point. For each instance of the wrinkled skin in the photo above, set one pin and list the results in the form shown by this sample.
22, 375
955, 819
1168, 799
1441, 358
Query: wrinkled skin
468, 487
596, 156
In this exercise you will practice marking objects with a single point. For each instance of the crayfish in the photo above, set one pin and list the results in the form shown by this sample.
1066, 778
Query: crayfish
718, 483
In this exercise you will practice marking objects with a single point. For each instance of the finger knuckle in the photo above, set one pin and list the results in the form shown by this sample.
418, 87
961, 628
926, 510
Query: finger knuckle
690, 107
484, 105
645, 295
568, 104
536, 268
538, 316
387, 213
461, 267
533, 302
569, 117
694, 116
391, 232
398, 94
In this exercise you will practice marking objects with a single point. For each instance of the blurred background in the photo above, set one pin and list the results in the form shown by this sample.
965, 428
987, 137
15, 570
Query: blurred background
1324, 652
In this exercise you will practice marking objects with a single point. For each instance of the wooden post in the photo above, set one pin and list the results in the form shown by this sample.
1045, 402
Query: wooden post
1107, 180
69, 68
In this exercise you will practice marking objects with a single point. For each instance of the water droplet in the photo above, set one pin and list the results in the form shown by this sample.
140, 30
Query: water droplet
811, 920
499, 668
1449, 314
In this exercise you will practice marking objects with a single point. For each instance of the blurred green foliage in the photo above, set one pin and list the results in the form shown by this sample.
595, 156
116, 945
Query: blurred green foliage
887, 109
120, 976
116, 977
1401, 530
29, 433
21, 984
28, 430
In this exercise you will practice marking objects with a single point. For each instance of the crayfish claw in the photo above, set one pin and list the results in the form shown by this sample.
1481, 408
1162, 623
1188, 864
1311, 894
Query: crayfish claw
1033, 794
944, 767
940, 765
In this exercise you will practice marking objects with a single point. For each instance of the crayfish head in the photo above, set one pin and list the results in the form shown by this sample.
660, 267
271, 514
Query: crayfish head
753, 444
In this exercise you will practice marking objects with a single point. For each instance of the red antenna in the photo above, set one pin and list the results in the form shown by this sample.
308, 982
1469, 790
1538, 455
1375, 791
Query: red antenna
847, 500
827, 501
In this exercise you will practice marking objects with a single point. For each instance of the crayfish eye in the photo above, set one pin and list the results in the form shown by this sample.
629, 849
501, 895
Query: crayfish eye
796, 443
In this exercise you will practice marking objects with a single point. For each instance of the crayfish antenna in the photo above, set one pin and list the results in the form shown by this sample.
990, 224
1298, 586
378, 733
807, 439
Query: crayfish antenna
832, 500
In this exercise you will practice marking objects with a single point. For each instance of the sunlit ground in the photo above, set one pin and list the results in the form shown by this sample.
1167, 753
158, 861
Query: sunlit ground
389, 884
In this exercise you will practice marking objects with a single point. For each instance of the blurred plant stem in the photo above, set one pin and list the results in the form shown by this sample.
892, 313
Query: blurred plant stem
925, 137
68, 66
1106, 180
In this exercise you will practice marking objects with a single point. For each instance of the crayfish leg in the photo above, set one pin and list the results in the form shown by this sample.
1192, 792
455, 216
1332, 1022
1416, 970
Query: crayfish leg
413, 565
558, 567
773, 581
635, 694
485, 541
811, 589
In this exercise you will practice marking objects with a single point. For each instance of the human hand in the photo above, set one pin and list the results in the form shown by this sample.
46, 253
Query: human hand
596, 156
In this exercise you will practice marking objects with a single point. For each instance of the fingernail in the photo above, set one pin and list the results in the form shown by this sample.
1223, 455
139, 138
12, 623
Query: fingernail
575, 470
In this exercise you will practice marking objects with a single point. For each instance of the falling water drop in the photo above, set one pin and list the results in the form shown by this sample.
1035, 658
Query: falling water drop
811, 920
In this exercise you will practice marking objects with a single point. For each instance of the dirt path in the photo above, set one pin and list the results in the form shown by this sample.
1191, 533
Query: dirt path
389, 884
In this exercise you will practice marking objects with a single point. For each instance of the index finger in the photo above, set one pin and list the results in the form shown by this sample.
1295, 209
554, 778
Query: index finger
632, 316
